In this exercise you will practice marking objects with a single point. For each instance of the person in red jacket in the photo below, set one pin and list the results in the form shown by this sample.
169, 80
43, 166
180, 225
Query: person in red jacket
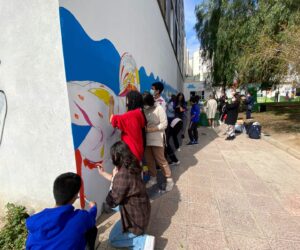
132, 123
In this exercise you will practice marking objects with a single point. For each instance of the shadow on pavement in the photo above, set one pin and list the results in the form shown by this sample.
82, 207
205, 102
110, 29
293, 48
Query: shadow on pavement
167, 209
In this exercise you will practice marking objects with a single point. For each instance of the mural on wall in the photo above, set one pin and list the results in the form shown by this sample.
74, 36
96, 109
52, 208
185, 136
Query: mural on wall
3, 113
95, 71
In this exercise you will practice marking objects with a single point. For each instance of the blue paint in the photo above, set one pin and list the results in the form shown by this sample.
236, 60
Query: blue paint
86, 59
99, 61
191, 86
80, 132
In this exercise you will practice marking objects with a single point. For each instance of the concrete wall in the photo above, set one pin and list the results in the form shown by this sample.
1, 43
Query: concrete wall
109, 48
37, 139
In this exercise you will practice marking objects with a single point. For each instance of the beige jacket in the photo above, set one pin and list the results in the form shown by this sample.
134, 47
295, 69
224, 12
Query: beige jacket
156, 117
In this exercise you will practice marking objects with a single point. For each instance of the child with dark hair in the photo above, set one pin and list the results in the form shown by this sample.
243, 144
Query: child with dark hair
195, 116
156, 90
132, 123
129, 194
63, 227
154, 153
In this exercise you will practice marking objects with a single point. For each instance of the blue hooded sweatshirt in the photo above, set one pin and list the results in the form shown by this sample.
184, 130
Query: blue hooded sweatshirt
195, 113
60, 228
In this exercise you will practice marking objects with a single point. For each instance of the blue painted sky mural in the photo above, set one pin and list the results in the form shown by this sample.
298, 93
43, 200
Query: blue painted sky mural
99, 61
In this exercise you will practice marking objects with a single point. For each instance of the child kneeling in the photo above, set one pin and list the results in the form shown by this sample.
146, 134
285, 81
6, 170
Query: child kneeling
63, 227
128, 192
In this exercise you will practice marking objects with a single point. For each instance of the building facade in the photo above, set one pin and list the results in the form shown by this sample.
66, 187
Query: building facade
57, 83
200, 66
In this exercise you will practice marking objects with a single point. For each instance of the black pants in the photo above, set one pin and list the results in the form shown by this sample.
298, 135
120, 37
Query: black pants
248, 114
173, 132
90, 237
193, 131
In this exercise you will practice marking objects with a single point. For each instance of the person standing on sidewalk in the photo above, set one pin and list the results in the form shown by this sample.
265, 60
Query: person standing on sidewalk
211, 110
132, 123
180, 111
128, 193
173, 129
195, 116
249, 105
156, 90
155, 141
232, 115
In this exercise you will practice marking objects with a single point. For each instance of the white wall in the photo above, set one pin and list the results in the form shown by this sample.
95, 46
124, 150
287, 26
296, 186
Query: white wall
133, 26
37, 142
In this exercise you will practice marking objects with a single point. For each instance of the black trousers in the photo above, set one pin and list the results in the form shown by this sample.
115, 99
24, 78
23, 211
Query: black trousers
193, 131
172, 132
90, 237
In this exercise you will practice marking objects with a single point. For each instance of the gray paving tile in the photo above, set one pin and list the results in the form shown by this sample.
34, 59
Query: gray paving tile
240, 222
242, 242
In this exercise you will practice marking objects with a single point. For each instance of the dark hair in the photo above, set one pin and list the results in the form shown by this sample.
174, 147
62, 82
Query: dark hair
197, 98
148, 99
65, 187
122, 157
173, 98
177, 98
158, 86
135, 100
193, 99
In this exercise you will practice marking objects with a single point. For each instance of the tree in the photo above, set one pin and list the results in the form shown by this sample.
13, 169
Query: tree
256, 41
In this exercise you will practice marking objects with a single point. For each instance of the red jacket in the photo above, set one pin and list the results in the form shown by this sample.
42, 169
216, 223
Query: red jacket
131, 124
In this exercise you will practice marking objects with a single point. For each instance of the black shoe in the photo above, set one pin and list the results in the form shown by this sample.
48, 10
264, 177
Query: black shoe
182, 136
230, 138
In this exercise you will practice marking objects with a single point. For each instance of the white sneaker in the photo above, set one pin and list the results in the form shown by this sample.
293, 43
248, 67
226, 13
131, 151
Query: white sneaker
170, 184
175, 163
178, 149
151, 182
149, 242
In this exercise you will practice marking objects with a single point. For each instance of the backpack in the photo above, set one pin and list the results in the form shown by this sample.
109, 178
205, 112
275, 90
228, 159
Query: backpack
255, 131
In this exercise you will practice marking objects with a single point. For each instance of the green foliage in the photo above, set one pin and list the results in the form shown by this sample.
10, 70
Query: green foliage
253, 41
13, 235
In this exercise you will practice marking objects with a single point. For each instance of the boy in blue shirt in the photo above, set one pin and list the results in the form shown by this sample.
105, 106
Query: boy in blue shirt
195, 116
63, 227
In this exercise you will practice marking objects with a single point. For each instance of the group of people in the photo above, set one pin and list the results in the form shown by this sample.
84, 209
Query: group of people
146, 131
147, 128
229, 111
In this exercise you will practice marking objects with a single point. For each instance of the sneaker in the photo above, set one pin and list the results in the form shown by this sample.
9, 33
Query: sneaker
195, 142
149, 242
190, 143
230, 138
178, 149
151, 182
175, 163
170, 184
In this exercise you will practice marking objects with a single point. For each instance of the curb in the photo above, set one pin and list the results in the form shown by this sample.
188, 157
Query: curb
281, 146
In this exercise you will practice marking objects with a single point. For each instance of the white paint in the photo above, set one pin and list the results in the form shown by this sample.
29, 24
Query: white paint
37, 142
133, 26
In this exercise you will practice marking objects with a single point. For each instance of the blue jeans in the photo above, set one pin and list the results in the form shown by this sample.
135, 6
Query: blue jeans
119, 239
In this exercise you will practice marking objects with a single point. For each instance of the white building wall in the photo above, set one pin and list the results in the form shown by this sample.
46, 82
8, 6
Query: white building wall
37, 140
117, 40
37, 143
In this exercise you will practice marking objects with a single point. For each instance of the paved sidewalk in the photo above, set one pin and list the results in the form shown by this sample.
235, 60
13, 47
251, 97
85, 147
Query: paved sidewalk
241, 194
